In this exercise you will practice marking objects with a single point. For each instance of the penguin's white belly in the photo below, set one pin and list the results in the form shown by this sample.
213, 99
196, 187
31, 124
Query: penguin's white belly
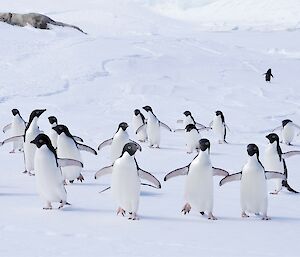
254, 197
49, 180
153, 132
18, 129
199, 187
117, 145
288, 134
29, 149
218, 128
125, 185
136, 123
188, 120
68, 149
192, 140
53, 137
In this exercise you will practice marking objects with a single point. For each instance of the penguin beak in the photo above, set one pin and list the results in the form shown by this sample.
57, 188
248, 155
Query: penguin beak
41, 112
33, 142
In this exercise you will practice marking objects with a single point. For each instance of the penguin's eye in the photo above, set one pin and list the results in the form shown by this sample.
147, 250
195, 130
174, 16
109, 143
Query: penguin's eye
206, 143
40, 141
273, 136
129, 147
60, 128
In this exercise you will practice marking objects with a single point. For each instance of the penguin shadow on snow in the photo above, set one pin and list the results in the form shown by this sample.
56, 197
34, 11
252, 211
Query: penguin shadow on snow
17, 194
81, 209
150, 194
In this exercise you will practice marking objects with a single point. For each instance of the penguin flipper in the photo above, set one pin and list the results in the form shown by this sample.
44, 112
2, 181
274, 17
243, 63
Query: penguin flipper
105, 189
140, 128
86, 148
11, 139
77, 138
179, 130
200, 125
279, 127
105, 143
139, 146
165, 126
288, 187
274, 174
104, 171
149, 177
289, 154
62, 162
230, 178
178, 172
7, 127
220, 172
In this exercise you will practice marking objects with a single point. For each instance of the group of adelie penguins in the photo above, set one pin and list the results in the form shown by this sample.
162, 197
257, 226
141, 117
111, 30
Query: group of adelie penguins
56, 160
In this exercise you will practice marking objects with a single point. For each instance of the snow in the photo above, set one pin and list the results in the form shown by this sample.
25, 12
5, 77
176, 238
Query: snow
173, 56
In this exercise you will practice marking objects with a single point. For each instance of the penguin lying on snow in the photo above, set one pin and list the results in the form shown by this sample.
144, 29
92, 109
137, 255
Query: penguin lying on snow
254, 196
118, 141
199, 183
49, 179
275, 160
125, 181
287, 131
17, 128
139, 120
219, 127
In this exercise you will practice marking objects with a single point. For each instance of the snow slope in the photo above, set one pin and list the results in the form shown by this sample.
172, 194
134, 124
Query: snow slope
135, 54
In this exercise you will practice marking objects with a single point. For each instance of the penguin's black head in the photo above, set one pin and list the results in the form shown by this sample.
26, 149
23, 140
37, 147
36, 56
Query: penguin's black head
137, 112
284, 122
218, 113
123, 125
269, 71
147, 108
37, 113
60, 129
190, 127
252, 149
15, 112
187, 113
41, 140
204, 144
52, 119
131, 148
273, 138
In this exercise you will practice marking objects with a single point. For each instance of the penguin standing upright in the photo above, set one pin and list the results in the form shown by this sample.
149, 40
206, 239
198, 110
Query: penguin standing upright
274, 160
49, 179
199, 187
153, 127
139, 120
219, 127
254, 196
192, 136
68, 148
287, 131
268, 75
125, 181
117, 142
17, 128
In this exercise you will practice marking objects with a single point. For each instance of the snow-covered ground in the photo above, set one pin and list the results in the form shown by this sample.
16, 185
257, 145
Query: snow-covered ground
175, 56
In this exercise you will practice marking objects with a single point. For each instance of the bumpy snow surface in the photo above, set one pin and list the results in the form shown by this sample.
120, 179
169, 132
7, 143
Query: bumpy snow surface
174, 56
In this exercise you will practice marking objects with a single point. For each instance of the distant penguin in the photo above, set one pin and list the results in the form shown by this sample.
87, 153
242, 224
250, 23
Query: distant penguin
139, 120
268, 75
192, 136
153, 127
287, 131
274, 160
125, 181
219, 127
68, 148
49, 179
199, 187
189, 119
17, 128
254, 196
117, 142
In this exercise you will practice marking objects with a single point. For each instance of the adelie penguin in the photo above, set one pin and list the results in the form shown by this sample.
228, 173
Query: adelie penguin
275, 160
199, 187
153, 127
117, 142
48, 176
68, 148
253, 192
139, 120
16, 128
125, 181
268, 75
219, 127
189, 119
287, 131
192, 137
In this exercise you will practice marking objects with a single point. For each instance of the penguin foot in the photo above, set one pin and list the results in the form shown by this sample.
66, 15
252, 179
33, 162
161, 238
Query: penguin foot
80, 178
133, 216
186, 208
265, 217
12, 151
25, 171
275, 192
31, 174
71, 181
122, 211
202, 213
48, 207
244, 215
211, 216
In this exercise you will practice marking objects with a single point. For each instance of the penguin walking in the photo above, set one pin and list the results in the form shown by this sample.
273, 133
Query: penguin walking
17, 128
117, 142
268, 75
189, 119
219, 127
125, 181
253, 194
139, 120
153, 127
53, 134
49, 179
287, 131
275, 160
199, 187
68, 148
